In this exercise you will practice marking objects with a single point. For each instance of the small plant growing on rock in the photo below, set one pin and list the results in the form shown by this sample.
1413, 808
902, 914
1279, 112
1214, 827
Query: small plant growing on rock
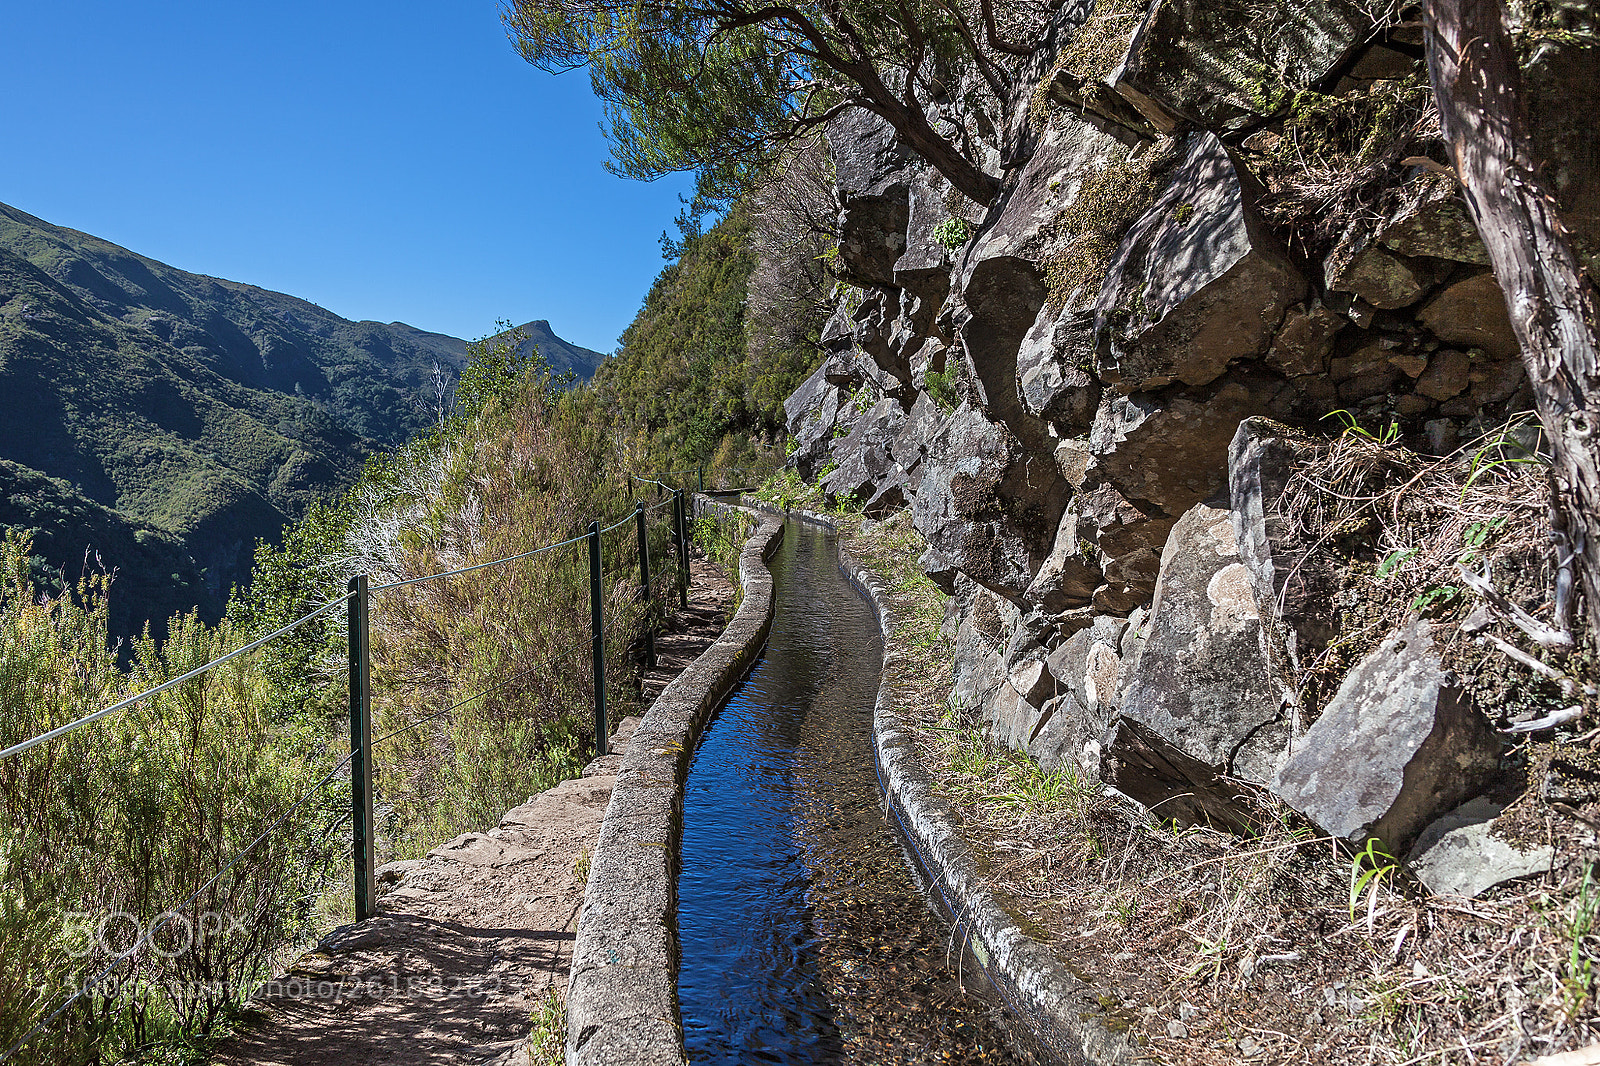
953, 232
941, 389
546, 1044
1352, 425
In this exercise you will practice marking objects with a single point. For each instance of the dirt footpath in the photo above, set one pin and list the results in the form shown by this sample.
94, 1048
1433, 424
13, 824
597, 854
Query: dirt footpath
471, 938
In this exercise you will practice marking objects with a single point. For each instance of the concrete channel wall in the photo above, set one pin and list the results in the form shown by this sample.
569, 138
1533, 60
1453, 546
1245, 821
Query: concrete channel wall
622, 1004
622, 999
1066, 1015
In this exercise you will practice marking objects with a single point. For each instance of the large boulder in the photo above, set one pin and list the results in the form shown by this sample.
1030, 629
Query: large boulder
1128, 538
1198, 281
1001, 280
1361, 265
1202, 680
1053, 370
811, 413
867, 471
1471, 313
1397, 746
880, 352
1064, 734
1088, 664
1070, 575
988, 506
924, 267
1056, 708
1147, 767
909, 447
998, 306
1069, 154
1170, 449
1295, 589
979, 658
1432, 220
1219, 65
872, 178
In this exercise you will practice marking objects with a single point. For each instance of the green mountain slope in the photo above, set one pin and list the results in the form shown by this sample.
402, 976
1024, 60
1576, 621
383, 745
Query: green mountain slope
375, 379
153, 574
686, 382
205, 409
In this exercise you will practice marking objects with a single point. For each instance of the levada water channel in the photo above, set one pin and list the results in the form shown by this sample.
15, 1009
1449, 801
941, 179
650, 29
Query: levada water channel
804, 937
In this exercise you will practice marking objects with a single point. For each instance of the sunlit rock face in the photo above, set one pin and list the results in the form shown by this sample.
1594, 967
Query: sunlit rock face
1054, 384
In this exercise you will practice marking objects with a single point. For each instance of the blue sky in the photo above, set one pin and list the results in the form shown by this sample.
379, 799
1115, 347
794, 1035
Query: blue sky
389, 161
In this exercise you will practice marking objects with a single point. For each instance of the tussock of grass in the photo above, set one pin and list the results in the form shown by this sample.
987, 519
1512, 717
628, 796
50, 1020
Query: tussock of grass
1387, 531
1339, 158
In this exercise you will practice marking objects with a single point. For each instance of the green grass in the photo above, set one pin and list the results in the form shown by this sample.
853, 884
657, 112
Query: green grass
547, 1044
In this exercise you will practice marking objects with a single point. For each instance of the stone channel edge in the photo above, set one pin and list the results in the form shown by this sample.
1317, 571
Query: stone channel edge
1065, 1013
622, 1003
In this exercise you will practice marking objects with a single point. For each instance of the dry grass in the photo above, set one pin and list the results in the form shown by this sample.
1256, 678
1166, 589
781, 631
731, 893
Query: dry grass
484, 678
1222, 950
1340, 159
1381, 532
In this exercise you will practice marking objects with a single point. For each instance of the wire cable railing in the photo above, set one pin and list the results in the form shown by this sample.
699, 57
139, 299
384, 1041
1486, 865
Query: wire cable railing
359, 759
477, 566
699, 478
61, 731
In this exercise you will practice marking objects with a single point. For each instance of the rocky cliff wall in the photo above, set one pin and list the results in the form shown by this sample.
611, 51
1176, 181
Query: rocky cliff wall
1218, 226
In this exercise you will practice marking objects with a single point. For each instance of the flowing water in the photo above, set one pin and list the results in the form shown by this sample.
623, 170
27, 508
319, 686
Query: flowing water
804, 937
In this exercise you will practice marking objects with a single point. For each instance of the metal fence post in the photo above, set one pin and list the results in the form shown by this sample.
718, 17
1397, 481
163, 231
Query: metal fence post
362, 845
644, 587
601, 733
683, 550
701, 475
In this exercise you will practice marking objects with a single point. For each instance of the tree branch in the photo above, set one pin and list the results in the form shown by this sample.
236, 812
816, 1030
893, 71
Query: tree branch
992, 31
1553, 307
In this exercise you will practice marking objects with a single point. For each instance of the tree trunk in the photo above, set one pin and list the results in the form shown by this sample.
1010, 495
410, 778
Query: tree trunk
1553, 307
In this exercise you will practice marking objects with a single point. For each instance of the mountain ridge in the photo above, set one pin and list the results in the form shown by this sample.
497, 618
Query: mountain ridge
213, 410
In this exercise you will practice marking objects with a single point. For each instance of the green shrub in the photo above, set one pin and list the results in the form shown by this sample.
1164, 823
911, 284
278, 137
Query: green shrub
109, 830
940, 385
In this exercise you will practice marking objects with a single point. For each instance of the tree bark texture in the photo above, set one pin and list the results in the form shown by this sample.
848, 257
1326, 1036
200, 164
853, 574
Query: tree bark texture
1553, 307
